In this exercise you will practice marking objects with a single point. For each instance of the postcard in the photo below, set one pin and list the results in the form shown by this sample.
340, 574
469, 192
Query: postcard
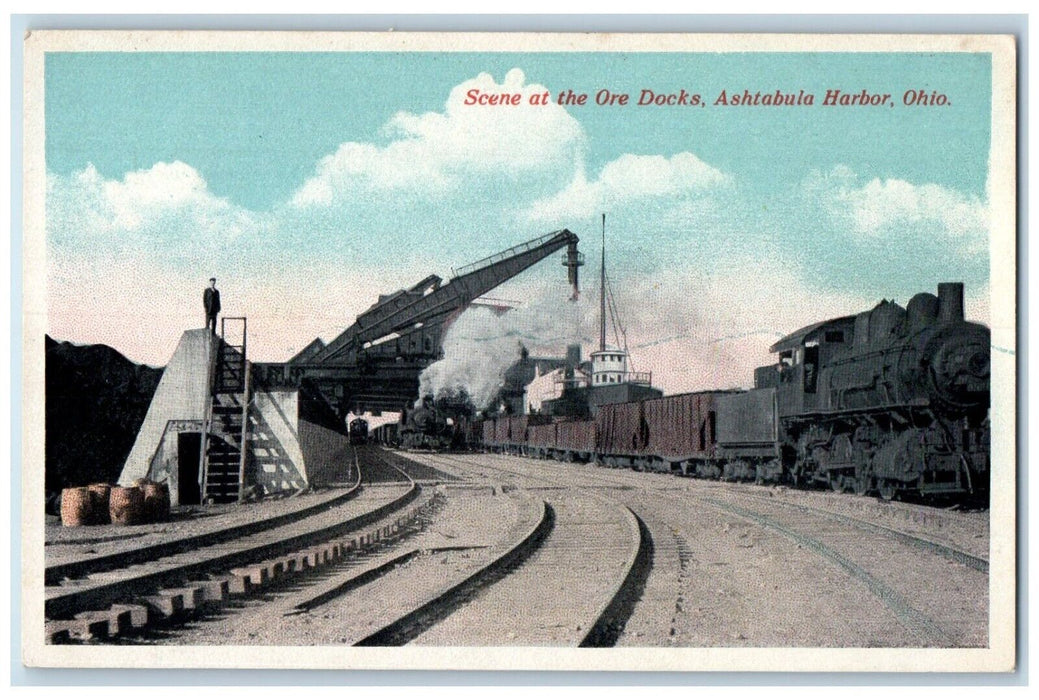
665, 352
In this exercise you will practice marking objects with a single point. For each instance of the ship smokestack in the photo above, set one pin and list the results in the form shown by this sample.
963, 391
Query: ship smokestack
950, 303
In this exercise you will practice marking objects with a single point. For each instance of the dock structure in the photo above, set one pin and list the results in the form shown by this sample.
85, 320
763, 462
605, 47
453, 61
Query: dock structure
215, 434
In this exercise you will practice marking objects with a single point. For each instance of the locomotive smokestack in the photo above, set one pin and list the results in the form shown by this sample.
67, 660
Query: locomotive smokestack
950, 302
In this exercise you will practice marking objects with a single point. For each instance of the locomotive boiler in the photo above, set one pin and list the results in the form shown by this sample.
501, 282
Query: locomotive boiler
445, 424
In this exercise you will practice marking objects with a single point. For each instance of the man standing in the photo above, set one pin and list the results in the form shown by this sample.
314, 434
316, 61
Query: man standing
211, 301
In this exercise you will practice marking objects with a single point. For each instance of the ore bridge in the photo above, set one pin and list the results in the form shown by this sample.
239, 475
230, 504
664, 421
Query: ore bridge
374, 365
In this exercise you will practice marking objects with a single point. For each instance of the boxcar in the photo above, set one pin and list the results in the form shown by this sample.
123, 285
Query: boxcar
671, 433
619, 434
680, 430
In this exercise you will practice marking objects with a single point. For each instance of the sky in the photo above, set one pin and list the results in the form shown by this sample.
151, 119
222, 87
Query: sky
310, 183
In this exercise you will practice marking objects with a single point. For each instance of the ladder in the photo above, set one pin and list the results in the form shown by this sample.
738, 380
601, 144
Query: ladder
226, 426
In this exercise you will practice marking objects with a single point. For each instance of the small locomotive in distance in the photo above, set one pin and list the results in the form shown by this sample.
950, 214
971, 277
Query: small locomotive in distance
358, 431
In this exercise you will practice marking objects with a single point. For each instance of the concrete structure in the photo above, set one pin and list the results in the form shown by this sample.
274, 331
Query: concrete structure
292, 438
178, 408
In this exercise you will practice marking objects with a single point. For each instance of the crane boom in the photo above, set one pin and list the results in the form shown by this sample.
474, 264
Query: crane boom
376, 362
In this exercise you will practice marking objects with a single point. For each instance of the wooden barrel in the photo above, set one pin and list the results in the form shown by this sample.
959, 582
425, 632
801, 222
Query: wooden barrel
76, 507
156, 501
126, 505
99, 495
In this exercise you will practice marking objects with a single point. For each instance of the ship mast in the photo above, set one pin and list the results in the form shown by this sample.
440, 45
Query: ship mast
602, 290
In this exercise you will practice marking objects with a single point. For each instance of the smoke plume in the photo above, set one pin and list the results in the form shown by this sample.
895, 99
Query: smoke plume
480, 345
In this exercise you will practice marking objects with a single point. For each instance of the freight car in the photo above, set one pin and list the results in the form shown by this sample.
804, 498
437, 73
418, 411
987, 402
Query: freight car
892, 399
671, 433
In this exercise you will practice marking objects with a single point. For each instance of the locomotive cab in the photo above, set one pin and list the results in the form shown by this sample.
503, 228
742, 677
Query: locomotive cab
802, 356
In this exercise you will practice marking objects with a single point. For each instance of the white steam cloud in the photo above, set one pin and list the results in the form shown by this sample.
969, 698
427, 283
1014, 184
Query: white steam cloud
480, 346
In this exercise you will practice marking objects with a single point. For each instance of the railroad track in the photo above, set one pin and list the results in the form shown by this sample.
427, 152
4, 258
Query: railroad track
129, 552
911, 513
909, 597
166, 584
972, 561
575, 586
856, 546
390, 594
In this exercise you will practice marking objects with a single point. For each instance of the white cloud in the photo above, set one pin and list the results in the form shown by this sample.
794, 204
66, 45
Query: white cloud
433, 153
896, 207
168, 201
630, 178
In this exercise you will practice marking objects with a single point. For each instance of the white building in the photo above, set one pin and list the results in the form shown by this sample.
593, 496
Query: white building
549, 386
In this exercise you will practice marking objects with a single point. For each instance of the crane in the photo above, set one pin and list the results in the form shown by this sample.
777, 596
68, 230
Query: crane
375, 363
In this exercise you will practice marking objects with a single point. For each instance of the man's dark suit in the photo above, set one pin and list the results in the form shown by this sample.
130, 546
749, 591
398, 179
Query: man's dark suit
211, 301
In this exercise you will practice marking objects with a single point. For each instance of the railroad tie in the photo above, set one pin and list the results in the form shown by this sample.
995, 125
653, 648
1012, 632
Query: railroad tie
191, 596
89, 625
57, 632
314, 558
163, 605
119, 621
214, 590
137, 615
259, 574
247, 579
275, 569
301, 561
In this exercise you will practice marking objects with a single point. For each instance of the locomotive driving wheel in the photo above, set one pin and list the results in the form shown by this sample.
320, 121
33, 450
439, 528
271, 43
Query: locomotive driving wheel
887, 489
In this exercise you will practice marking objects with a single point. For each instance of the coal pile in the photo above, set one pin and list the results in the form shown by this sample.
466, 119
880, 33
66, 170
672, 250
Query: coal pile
95, 404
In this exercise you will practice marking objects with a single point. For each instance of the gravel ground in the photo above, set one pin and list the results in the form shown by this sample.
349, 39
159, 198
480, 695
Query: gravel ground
470, 520
719, 579
733, 565
554, 597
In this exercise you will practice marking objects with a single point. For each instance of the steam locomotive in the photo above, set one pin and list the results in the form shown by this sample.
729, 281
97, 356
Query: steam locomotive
430, 426
892, 400
358, 431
